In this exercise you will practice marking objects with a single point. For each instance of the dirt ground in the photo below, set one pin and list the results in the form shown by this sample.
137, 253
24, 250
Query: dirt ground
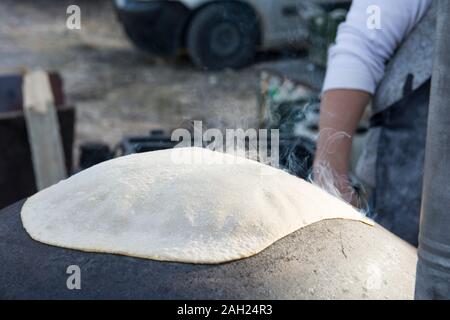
117, 89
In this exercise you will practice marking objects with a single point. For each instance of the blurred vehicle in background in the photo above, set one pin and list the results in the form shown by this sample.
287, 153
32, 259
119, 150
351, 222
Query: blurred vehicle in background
219, 34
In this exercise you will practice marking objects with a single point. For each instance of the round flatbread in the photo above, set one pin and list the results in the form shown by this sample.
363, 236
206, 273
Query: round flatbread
208, 207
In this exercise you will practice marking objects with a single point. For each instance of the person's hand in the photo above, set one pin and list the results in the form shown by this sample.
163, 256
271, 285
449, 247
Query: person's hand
338, 185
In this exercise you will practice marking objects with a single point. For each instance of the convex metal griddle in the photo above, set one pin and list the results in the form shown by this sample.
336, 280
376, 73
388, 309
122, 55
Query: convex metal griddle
332, 259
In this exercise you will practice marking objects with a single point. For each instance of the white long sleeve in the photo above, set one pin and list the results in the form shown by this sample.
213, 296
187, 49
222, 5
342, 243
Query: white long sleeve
358, 59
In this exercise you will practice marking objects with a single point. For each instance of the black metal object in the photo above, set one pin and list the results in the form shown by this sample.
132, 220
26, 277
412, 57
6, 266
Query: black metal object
156, 140
334, 259
92, 153
433, 268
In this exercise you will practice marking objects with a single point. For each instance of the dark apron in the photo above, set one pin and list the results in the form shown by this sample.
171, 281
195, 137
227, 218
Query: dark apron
400, 160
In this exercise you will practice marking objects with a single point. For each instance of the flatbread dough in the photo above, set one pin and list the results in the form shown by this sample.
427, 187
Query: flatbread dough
149, 205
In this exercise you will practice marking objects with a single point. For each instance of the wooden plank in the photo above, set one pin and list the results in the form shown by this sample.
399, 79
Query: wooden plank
43, 130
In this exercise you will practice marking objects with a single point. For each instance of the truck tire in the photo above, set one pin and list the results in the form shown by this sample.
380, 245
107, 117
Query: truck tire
223, 35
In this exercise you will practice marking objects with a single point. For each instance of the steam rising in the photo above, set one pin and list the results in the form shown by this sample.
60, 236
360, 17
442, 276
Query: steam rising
340, 186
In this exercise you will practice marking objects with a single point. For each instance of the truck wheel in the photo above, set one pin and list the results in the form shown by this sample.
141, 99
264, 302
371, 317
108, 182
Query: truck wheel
223, 35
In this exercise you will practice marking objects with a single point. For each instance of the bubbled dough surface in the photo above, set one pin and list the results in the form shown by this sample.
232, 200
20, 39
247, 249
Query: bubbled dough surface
146, 205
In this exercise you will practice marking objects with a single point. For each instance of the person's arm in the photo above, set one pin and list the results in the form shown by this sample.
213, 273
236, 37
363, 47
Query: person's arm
341, 111
356, 65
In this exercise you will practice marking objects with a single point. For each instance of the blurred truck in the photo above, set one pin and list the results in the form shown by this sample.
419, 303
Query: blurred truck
219, 34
